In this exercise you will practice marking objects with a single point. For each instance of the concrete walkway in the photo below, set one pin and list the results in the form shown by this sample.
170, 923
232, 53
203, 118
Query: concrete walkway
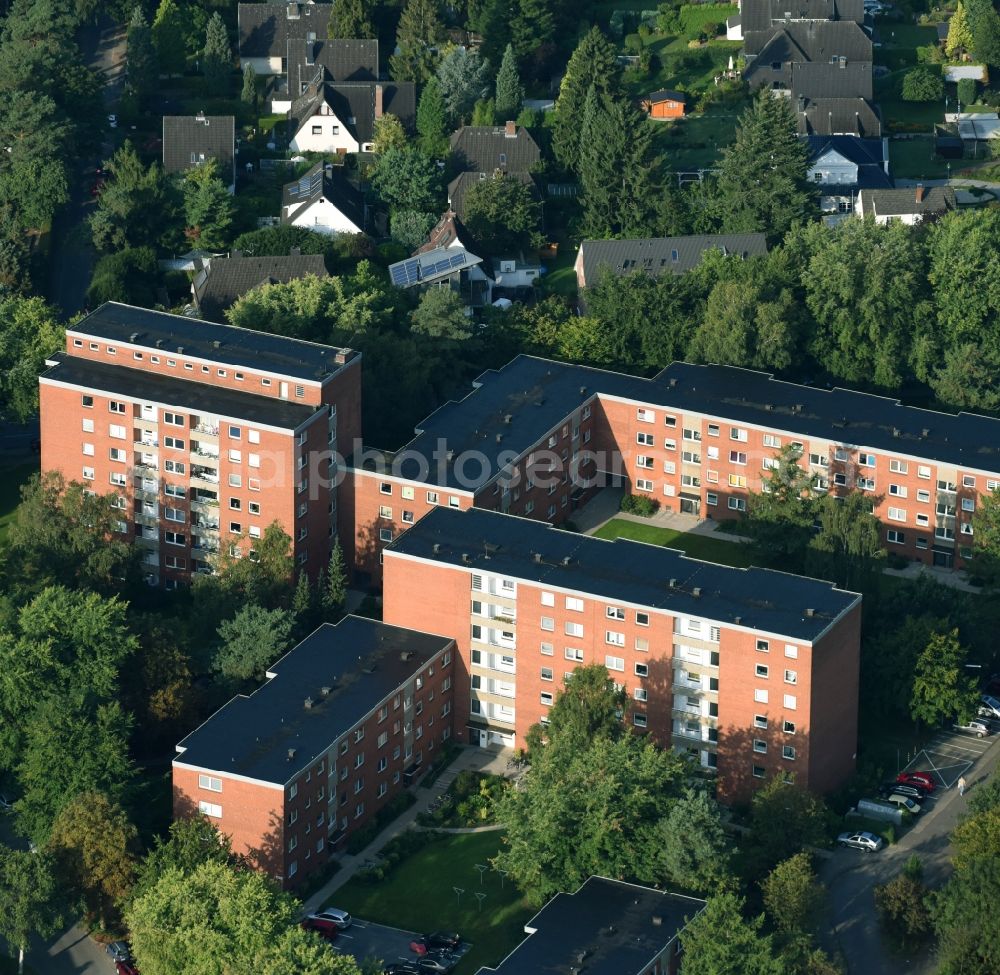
470, 758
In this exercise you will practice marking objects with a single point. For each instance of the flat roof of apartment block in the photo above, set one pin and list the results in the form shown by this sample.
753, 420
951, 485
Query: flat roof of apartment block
512, 409
320, 689
605, 928
212, 341
625, 571
190, 395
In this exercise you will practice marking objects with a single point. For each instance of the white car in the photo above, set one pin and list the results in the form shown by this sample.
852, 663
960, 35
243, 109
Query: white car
989, 707
333, 915
904, 802
975, 727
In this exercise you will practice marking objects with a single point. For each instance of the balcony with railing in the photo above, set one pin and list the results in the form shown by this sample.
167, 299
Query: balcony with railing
207, 450
204, 523
205, 425
205, 474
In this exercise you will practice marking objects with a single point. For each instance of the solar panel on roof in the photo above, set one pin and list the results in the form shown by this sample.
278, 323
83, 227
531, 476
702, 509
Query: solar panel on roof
458, 259
405, 273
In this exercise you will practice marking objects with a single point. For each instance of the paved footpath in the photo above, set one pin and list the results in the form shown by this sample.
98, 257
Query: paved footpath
475, 759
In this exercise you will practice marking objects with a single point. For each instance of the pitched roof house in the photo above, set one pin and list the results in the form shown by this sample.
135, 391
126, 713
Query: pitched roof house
841, 166
266, 28
833, 45
487, 148
340, 118
323, 200
760, 15
910, 205
190, 141
838, 116
658, 255
219, 281
334, 60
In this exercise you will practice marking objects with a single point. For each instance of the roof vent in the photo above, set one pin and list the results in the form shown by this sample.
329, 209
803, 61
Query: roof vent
737, 620
696, 592
133, 336
180, 350
159, 343
672, 584
769, 407
308, 703
797, 408
499, 437
216, 344
566, 560
325, 690
508, 418
896, 431
436, 548
465, 558
450, 456
291, 754
657, 921
810, 612
925, 433
583, 390
538, 558
405, 655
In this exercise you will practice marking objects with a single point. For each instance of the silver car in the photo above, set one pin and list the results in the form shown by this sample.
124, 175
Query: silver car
975, 727
862, 840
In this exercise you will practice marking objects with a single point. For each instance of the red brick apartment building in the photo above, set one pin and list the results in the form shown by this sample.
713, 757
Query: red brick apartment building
207, 432
607, 927
751, 671
336, 732
696, 438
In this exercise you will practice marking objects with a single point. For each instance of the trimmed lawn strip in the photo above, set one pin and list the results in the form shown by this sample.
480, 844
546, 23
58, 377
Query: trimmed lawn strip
419, 896
697, 546
11, 479
916, 159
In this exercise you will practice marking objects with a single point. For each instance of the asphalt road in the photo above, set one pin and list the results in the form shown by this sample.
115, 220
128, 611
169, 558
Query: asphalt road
851, 876
73, 256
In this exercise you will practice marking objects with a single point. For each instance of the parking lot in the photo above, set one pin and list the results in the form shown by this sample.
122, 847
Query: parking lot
365, 939
951, 754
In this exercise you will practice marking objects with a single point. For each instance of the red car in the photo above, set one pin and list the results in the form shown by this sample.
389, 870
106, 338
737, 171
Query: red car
922, 780
126, 968
323, 927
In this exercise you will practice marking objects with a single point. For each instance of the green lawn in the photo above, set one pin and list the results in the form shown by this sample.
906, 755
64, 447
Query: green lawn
697, 546
11, 478
694, 142
915, 159
419, 896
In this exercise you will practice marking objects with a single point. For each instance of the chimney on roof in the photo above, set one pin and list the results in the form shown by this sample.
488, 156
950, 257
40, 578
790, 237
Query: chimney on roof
159, 343
308, 703
291, 754
340, 357
200, 117
510, 130
292, 11
537, 556
919, 192
672, 583
378, 101
566, 560
216, 344
436, 548
583, 390
499, 437
508, 418
696, 592
842, 61
133, 336
657, 921
925, 432
180, 350
810, 612
465, 558
737, 620
325, 690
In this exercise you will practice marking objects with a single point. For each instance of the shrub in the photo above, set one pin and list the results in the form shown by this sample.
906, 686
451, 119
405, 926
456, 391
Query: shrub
930, 54
360, 838
922, 85
633, 44
967, 90
639, 504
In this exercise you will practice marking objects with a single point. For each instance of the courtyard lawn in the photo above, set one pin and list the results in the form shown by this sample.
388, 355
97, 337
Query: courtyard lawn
12, 476
419, 895
697, 546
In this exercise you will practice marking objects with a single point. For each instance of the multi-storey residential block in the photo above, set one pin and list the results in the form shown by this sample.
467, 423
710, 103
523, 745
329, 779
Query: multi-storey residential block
532, 438
342, 723
605, 928
207, 433
754, 672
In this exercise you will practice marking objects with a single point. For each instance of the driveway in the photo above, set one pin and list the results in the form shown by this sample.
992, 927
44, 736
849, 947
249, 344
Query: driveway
851, 876
73, 256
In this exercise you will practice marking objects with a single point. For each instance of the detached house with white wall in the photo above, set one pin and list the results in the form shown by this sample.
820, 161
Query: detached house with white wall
266, 28
324, 201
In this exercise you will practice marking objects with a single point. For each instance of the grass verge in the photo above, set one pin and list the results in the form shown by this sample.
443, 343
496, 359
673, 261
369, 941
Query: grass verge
697, 546
419, 895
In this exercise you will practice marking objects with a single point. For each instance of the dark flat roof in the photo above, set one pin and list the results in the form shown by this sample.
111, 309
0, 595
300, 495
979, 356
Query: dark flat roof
612, 922
623, 570
359, 660
236, 346
538, 394
187, 394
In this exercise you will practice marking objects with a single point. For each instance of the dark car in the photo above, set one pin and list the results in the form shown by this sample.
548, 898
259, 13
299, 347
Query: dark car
442, 940
922, 780
119, 951
897, 789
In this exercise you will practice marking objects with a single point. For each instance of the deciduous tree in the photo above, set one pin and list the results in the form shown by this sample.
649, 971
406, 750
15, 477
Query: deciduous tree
95, 846
253, 639
168, 37
29, 334
189, 843
694, 850
721, 941
440, 314
131, 276
848, 547
389, 134
504, 214
780, 517
408, 179
923, 84
31, 902
942, 688
409, 228
785, 819
792, 894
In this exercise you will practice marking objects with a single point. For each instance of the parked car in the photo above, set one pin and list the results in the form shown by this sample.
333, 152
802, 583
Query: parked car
6, 803
862, 840
976, 727
922, 780
334, 915
126, 968
401, 968
119, 951
904, 802
321, 926
436, 963
443, 940
989, 707
895, 789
